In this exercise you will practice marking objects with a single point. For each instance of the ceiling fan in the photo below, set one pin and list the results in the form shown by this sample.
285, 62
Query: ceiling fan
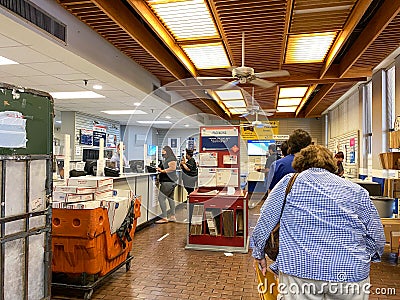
256, 110
244, 74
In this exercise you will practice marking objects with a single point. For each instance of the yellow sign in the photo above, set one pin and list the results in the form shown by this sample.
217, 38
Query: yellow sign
264, 131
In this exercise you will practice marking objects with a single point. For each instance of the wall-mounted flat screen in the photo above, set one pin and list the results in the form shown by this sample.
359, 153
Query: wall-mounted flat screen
258, 147
151, 150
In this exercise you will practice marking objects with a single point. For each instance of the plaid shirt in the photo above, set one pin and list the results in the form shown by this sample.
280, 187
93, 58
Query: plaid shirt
330, 229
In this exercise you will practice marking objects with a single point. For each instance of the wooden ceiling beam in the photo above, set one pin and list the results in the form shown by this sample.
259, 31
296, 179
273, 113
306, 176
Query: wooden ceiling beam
118, 12
318, 98
147, 14
300, 82
354, 18
385, 14
288, 18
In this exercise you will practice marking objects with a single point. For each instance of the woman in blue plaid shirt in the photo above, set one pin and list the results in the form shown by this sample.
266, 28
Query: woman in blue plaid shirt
330, 232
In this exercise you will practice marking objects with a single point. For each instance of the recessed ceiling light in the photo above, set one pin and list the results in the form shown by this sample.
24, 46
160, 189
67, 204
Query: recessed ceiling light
286, 109
230, 95
125, 112
293, 92
97, 86
289, 101
5, 61
58, 121
76, 95
238, 111
186, 19
168, 117
308, 48
153, 122
186, 125
136, 103
237, 103
207, 56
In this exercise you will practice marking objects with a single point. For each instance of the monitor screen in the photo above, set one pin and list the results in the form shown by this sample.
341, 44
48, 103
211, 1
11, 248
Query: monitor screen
258, 147
151, 150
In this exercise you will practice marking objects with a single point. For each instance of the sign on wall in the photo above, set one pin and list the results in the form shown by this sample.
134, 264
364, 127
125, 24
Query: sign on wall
219, 138
264, 132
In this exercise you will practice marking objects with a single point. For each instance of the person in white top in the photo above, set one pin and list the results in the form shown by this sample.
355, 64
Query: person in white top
115, 158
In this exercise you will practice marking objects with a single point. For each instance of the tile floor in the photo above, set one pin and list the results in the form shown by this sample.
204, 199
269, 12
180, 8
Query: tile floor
165, 270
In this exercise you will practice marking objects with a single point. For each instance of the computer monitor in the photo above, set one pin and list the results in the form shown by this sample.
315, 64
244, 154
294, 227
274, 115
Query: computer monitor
137, 166
90, 166
258, 147
151, 150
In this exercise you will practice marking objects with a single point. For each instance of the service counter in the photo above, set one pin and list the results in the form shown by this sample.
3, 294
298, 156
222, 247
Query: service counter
145, 185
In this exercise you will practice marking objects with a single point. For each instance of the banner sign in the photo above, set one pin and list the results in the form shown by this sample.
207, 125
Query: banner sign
262, 132
220, 138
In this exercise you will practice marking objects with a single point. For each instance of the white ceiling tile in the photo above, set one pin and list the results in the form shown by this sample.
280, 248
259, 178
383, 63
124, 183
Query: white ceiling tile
114, 94
20, 70
63, 88
76, 78
8, 42
54, 68
48, 80
24, 55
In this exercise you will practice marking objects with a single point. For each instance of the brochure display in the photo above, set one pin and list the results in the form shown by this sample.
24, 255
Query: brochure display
218, 209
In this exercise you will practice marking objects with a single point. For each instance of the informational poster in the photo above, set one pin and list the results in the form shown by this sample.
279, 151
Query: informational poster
208, 159
220, 138
207, 177
265, 131
227, 177
86, 137
111, 141
229, 159
99, 132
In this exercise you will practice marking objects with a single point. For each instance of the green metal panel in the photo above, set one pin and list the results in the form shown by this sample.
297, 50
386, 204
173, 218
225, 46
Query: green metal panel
38, 108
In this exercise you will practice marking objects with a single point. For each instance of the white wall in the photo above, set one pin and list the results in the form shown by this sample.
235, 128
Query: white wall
134, 139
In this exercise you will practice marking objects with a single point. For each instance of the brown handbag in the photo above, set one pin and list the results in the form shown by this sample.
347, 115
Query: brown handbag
272, 245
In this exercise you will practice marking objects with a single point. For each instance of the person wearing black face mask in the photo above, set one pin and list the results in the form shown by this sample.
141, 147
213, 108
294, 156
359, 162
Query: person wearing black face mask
189, 169
168, 181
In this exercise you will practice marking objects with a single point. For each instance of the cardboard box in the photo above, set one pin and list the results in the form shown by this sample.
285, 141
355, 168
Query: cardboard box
103, 195
90, 181
390, 225
73, 189
394, 241
117, 210
389, 160
104, 188
84, 205
69, 198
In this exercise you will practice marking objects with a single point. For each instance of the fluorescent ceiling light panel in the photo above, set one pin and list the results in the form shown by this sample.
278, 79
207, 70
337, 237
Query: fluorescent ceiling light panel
76, 95
232, 104
207, 56
230, 95
289, 101
238, 111
308, 48
293, 92
185, 19
153, 122
5, 61
125, 112
286, 109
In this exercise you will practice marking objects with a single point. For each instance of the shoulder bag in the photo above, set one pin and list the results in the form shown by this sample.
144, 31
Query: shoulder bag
272, 245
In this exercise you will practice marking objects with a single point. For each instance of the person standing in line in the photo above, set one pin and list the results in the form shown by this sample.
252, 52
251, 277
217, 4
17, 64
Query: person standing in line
284, 149
189, 169
339, 158
330, 232
298, 140
272, 156
168, 180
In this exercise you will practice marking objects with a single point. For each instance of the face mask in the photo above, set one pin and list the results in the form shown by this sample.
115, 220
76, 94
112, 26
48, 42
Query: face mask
164, 155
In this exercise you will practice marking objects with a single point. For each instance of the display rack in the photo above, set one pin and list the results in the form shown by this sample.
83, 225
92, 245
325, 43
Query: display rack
218, 209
